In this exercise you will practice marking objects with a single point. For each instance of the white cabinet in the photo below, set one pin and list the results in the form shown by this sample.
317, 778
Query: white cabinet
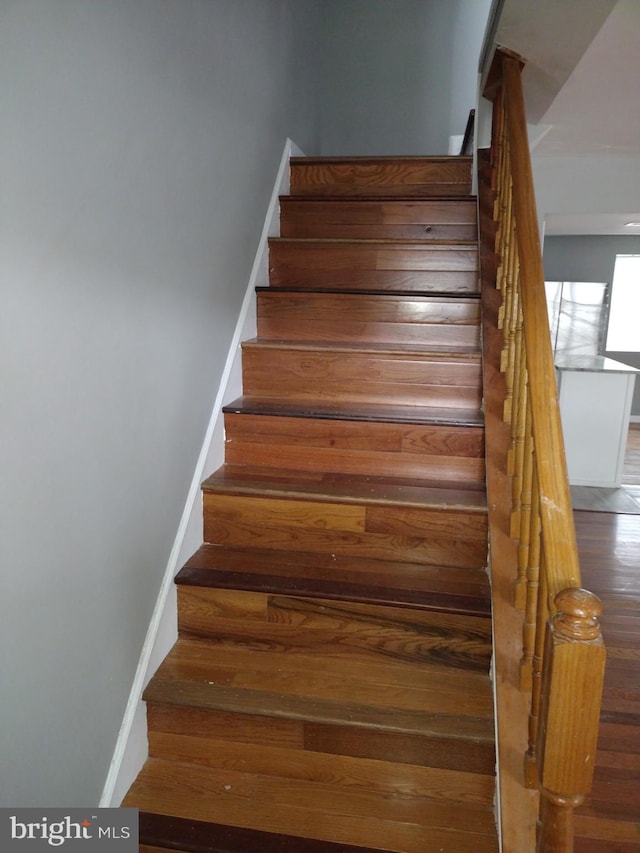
595, 396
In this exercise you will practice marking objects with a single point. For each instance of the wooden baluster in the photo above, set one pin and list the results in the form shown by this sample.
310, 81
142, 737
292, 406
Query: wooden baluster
519, 406
508, 350
526, 500
504, 226
532, 598
537, 662
505, 250
497, 142
569, 714
509, 251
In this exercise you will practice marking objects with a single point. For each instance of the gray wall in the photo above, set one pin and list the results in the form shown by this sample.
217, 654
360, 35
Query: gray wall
592, 259
399, 76
139, 145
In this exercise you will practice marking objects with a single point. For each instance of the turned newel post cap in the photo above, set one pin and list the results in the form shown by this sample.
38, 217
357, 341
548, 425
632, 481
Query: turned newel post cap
578, 613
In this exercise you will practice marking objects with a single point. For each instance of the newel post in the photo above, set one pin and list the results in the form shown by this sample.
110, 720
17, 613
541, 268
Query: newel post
569, 714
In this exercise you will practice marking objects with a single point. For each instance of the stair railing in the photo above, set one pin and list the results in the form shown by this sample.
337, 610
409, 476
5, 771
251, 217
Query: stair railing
563, 655
467, 140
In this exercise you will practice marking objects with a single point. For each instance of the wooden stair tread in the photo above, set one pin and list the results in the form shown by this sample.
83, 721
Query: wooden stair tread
470, 200
360, 412
340, 578
391, 243
427, 296
382, 159
318, 810
336, 488
373, 291
453, 353
299, 685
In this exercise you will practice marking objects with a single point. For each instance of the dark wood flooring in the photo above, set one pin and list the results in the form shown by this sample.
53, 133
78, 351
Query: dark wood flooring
609, 544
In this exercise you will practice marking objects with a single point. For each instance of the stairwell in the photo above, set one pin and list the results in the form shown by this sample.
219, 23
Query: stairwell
329, 690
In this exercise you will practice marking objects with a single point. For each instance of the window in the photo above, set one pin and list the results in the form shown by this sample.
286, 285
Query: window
623, 330
577, 311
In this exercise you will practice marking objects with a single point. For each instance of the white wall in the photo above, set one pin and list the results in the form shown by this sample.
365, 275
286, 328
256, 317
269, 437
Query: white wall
399, 76
139, 143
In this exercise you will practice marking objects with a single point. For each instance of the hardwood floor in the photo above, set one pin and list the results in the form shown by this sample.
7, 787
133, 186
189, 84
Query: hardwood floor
609, 544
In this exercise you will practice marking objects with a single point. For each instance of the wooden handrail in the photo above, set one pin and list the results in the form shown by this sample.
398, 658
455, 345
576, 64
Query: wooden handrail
555, 508
467, 139
563, 654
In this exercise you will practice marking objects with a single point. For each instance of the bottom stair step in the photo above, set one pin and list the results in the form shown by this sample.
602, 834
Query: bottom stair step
325, 810
163, 832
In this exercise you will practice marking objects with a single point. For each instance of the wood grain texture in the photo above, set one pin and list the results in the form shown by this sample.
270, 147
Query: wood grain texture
408, 176
398, 491
313, 810
434, 219
609, 549
299, 372
335, 628
372, 254
351, 530
356, 447
518, 804
354, 774
373, 264
367, 318
436, 749
353, 579
346, 410
298, 684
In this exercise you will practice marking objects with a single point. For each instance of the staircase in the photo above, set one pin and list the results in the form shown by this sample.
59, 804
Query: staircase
329, 690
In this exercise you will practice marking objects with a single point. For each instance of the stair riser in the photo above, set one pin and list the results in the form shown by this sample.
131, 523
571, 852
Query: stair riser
464, 283
385, 266
301, 766
302, 737
367, 318
297, 623
404, 220
355, 255
451, 453
408, 177
448, 538
365, 377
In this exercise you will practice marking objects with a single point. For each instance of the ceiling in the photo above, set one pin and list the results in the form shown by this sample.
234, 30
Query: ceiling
582, 85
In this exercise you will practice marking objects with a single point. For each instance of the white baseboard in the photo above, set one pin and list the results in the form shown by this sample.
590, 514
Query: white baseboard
131, 746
